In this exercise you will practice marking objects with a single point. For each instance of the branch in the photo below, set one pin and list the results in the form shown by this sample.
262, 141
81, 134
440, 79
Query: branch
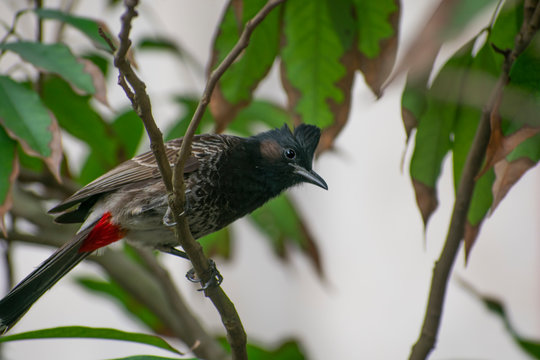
229, 317
135, 91
444, 265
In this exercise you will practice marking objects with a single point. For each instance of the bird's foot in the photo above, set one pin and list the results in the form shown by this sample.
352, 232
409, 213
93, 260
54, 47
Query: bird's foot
215, 279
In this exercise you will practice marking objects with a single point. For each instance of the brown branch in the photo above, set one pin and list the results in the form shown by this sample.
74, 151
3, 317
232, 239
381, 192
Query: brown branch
229, 317
443, 266
135, 91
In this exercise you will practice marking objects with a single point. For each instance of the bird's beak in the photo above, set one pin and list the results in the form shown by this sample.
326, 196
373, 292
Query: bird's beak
310, 176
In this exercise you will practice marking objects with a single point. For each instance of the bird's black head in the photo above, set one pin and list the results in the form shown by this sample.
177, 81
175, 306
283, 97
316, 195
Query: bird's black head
288, 156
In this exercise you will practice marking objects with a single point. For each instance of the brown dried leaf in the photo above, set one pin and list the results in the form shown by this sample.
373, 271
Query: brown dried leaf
426, 199
377, 70
6, 206
500, 146
506, 175
410, 122
98, 79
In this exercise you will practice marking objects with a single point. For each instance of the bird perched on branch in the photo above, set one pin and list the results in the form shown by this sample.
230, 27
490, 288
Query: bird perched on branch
226, 177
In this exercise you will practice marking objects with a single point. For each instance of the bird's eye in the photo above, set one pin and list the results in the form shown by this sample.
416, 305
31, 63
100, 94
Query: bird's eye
290, 154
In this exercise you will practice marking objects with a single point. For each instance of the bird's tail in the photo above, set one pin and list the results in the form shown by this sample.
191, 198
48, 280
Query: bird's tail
17, 302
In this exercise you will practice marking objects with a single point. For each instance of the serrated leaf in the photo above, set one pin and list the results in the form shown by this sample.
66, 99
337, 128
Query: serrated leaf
56, 59
374, 25
87, 26
377, 63
259, 112
83, 332
279, 220
9, 170
129, 303
27, 120
311, 64
237, 84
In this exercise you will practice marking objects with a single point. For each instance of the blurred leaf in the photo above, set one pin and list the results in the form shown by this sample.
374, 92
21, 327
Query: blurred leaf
149, 357
9, 170
279, 220
87, 26
101, 62
77, 117
98, 80
78, 332
259, 111
433, 137
188, 104
27, 120
311, 64
288, 350
159, 43
530, 346
129, 131
236, 86
54, 58
129, 303
373, 24
378, 31
217, 243
447, 21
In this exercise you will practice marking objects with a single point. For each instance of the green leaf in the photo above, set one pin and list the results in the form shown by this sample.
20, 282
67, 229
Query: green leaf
462, 13
78, 332
129, 303
259, 111
481, 199
129, 130
433, 137
188, 105
217, 243
25, 118
373, 24
87, 26
311, 60
279, 220
54, 58
8, 173
529, 148
76, 116
288, 350
239, 81
150, 357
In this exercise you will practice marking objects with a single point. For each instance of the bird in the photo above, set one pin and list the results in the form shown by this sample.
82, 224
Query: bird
226, 177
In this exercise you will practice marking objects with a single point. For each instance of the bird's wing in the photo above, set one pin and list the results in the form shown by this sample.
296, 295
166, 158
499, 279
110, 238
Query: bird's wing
140, 168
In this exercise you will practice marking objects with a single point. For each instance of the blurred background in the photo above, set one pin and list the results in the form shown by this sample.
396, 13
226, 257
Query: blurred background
377, 261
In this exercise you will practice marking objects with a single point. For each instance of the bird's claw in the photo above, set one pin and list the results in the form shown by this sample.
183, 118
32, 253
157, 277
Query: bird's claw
215, 279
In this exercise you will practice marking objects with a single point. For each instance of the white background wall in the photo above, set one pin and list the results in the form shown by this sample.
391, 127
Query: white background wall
378, 269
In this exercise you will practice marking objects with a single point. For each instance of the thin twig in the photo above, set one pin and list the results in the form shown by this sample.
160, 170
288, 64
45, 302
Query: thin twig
136, 92
229, 317
443, 266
